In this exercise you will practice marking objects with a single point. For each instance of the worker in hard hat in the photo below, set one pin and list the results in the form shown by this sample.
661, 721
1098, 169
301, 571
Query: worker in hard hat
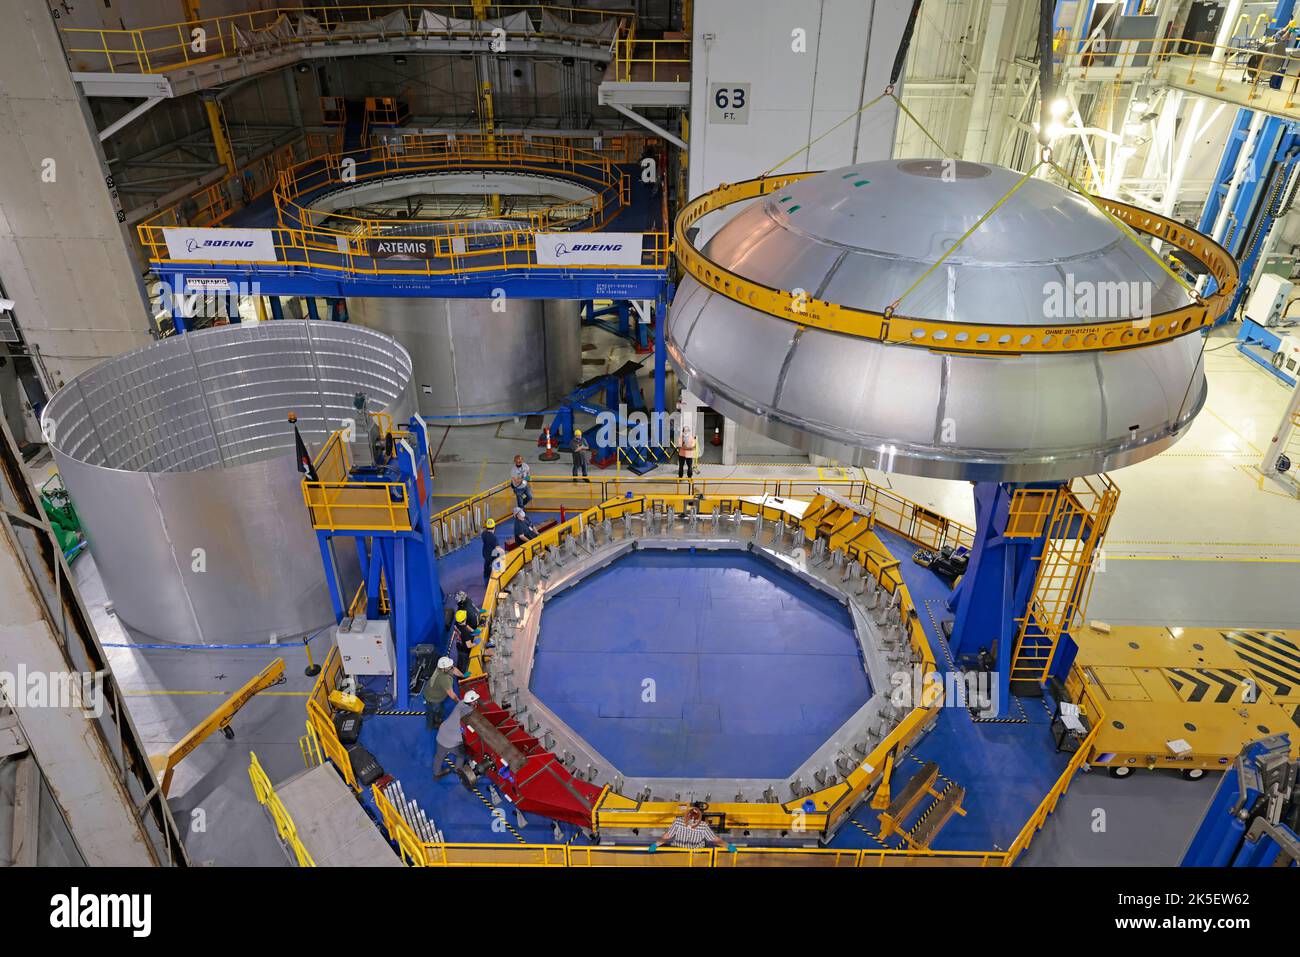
438, 689
462, 639
687, 449
521, 481
690, 831
580, 450
489, 538
525, 530
461, 602
450, 740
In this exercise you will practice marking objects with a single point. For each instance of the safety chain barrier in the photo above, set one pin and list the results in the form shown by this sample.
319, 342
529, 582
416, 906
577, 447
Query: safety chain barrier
940, 335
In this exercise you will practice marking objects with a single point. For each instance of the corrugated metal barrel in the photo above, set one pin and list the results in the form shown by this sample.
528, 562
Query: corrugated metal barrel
179, 458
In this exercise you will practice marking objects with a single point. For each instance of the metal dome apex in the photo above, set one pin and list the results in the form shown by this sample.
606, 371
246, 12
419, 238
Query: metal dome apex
861, 235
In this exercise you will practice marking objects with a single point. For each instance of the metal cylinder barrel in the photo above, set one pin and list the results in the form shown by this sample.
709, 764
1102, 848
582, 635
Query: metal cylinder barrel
180, 461
477, 360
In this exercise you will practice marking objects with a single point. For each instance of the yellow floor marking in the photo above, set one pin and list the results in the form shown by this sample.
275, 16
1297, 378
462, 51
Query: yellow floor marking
1224, 423
478, 482
1201, 558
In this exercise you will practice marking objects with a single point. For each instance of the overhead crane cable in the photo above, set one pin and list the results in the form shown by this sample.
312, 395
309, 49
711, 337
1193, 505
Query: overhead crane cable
1046, 79
899, 60
889, 311
1123, 228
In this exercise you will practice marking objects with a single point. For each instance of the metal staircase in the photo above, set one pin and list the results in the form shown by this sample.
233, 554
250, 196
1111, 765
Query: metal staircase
1073, 521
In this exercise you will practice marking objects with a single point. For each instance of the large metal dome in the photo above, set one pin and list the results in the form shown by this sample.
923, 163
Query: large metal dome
859, 237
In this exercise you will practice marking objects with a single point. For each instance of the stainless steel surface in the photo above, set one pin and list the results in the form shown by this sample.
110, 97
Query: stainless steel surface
180, 461
474, 364
563, 326
905, 409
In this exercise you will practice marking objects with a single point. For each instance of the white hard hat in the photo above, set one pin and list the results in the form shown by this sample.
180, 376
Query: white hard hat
471, 697
444, 664
519, 513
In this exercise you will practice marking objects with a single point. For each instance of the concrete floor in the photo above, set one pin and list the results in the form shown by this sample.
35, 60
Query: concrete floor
1196, 540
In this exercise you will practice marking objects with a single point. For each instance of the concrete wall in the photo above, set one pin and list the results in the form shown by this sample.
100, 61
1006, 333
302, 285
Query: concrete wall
793, 97
63, 256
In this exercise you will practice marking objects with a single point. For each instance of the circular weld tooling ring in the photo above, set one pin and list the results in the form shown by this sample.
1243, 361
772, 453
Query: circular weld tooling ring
938, 335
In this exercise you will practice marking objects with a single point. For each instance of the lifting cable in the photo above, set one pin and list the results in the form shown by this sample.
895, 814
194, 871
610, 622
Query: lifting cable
900, 58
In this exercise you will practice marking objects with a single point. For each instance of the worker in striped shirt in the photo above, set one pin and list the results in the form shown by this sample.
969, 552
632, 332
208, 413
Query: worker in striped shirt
690, 832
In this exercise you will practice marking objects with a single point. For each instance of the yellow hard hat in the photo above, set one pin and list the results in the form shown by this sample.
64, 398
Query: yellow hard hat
462, 616
490, 523
577, 433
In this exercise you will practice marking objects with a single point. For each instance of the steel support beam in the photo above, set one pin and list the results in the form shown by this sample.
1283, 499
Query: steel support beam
648, 124
128, 117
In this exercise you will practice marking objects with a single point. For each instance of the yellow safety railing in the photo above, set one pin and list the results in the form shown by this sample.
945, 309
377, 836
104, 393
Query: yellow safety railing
1189, 63
284, 825
427, 854
453, 246
661, 61
1090, 707
213, 203
1074, 519
171, 46
941, 335
408, 154
320, 722
918, 524
905, 517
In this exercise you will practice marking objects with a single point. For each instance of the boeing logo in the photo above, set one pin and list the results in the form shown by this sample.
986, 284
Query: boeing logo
193, 245
564, 249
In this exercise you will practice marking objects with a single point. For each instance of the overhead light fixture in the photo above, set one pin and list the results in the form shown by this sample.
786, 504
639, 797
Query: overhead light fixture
399, 59
302, 68
1059, 106
1055, 130
1133, 129
1139, 106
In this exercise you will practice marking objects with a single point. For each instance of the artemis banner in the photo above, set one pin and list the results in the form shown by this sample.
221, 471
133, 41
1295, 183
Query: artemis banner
222, 245
588, 249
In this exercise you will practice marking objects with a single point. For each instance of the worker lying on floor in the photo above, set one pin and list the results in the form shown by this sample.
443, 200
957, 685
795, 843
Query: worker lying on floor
690, 832
440, 687
489, 538
451, 737
525, 530
462, 640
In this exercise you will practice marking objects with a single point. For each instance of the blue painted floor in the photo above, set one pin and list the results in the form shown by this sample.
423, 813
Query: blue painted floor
1005, 767
704, 665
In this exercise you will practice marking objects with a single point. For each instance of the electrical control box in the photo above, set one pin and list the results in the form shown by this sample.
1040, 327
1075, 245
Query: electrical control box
365, 646
1268, 299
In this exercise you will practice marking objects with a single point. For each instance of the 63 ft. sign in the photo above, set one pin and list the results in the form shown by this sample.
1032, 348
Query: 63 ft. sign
729, 103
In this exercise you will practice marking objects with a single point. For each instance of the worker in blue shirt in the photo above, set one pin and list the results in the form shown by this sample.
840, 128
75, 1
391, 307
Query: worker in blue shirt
525, 530
489, 537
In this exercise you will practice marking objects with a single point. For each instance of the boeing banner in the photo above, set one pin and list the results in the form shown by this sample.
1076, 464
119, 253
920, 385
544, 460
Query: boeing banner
588, 249
220, 245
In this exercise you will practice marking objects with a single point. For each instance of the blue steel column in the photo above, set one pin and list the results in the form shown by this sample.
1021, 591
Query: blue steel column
277, 307
661, 349
312, 312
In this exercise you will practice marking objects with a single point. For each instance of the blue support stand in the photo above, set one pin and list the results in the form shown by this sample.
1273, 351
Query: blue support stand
404, 560
997, 586
277, 307
312, 311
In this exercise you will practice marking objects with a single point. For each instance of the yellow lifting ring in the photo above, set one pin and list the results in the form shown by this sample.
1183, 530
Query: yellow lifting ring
938, 335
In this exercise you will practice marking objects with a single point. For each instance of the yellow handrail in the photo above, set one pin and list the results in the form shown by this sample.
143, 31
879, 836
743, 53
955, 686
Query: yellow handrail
170, 46
284, 825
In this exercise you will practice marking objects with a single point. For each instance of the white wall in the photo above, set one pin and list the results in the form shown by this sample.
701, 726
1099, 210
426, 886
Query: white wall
794, 97
63, 256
